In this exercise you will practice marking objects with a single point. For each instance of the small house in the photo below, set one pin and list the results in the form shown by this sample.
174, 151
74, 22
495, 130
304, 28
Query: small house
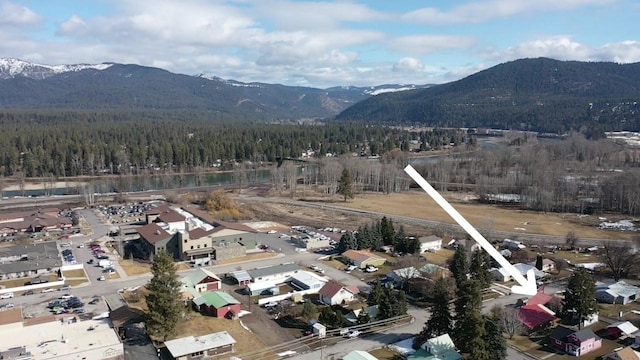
363, 258
616, 293
626, 353
548, 265
399, 276
334, 293
205, 346
217, 304
576, 343
201, 280
440, 347
535, 314
430, 243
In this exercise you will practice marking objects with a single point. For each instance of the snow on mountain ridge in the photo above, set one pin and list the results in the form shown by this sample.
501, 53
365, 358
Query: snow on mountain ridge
11, 67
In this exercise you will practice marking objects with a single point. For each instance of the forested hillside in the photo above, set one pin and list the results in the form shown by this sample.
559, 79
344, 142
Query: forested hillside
541, 95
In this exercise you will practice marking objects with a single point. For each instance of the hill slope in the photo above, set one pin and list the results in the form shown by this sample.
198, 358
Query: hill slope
25, 85
530, 94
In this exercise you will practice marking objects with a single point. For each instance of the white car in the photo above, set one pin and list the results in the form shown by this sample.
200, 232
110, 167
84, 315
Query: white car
371, 269
350, 267
271, 304
47, 290
101, 278
353, 333
8, 295
66, 297
314, 267
271, 232
320, 270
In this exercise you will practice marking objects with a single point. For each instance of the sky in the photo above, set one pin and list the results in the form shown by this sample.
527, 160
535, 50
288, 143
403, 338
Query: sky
319, 43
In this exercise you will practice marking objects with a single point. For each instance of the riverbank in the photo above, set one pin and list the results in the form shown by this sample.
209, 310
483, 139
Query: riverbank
44, 185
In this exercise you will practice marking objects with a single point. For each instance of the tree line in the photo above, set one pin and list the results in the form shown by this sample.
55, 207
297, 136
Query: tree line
73, 143
378, 234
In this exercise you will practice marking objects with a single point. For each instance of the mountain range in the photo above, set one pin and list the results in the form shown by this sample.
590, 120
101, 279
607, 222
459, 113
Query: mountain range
25, 85
539, 94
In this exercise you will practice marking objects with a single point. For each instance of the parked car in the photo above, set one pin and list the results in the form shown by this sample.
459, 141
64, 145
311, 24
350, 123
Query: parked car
28, 292
371, 269
271, 304
90, 261
94, 301
320, 270
101, 278
66, 297
7, 295
65, 288
313, 267
350, 267
47, 290
80, 246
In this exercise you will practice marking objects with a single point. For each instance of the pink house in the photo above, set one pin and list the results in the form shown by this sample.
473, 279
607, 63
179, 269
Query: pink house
576, 343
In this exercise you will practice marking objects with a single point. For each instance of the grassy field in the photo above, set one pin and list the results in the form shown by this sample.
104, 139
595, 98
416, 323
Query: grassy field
21, 281
246, 341
76, 282
384, 354
249, 257
440, 257
418, 204
134, 268
74, 273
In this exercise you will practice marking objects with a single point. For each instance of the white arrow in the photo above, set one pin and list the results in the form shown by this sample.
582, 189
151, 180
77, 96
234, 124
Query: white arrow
527, 286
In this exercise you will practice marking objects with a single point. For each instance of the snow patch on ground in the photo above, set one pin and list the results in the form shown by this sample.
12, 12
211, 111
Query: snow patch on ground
622, 225
243, 313
403, 347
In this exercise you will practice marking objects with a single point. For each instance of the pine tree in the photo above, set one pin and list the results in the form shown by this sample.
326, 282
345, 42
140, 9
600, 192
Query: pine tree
479, 268
579, 297
469, 324
347, 242
164, 300
494, 339
386, 228
344, 185
440, 322
376, 294
364, 237
401, 303
363, 317
459, 266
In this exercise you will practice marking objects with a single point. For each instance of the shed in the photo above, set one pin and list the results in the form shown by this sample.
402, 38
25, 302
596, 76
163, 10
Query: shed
620, 328
217, 303
319, 330
242, 277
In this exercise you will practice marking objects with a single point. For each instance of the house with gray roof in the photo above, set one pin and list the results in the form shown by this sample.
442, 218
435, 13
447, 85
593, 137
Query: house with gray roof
204, 346
616, 293
29, 260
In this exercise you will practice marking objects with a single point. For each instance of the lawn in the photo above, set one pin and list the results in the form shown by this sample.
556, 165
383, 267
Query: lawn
21, 281
249, 257
134, 268
79, 273
246, 341
440, 257
76, 282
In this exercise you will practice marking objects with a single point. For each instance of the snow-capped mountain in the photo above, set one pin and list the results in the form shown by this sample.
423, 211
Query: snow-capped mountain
11, 68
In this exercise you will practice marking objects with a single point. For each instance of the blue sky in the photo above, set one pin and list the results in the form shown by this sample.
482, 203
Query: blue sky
319, 43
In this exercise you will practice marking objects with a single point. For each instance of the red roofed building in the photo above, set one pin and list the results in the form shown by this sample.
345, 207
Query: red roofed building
334, 293
535, 314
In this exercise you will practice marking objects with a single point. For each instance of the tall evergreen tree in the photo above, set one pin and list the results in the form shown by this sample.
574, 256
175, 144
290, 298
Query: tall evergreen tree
468, 331
579, 297
539, 262
459, 266
364, 237
386, 228
347, 242
363, 317
164, 300
376, 294
344, 185
479, 268
441, 321
494, 340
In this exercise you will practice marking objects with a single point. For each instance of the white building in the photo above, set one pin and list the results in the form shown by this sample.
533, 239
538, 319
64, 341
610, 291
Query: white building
65, 339
334, 293
503, 275
201, 347
430, 243
616, 293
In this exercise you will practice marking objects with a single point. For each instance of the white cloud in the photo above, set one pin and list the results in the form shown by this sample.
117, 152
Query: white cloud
479, 12
564, 48
16, 15
427, 44
408, 64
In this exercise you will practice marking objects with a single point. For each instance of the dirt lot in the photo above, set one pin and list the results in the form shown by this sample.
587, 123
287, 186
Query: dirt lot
418, 204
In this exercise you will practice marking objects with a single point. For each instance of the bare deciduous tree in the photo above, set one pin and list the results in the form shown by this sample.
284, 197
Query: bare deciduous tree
511, 321
621, 258
571, 239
